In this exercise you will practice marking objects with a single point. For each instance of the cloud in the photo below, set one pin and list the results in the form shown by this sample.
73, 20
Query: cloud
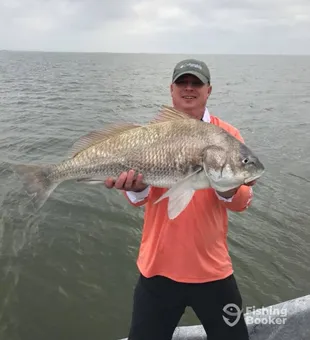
163, 26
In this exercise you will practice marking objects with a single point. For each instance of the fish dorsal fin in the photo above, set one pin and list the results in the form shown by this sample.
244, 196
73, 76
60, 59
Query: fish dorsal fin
97, 136
169, 113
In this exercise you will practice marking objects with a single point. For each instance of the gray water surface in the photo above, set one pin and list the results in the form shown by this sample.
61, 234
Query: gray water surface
68, 272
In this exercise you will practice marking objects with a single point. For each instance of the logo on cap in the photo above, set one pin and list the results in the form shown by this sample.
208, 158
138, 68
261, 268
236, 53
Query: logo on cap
191, 65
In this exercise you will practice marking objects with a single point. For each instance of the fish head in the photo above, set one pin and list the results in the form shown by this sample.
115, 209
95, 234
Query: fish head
249, 165
230, 165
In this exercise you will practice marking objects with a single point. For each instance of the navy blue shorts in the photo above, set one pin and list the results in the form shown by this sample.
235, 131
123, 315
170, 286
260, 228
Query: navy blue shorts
159, 304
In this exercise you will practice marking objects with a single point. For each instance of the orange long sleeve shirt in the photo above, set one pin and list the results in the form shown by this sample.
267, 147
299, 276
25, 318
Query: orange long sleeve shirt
193, 247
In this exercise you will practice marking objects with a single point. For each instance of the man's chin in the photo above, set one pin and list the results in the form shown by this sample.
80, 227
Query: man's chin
189, 103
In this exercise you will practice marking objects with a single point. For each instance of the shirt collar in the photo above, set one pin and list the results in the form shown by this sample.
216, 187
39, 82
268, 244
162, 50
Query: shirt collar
206, 116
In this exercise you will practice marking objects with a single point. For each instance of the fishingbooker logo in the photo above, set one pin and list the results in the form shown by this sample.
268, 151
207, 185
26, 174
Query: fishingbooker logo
263, 315
234, 311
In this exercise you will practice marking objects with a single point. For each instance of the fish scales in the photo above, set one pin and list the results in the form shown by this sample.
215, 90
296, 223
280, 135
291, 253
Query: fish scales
166, 151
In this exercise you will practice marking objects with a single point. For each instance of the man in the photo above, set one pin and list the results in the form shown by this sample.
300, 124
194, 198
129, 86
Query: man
185, 261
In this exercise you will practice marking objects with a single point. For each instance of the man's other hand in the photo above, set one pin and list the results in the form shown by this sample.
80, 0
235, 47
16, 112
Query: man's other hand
126, 182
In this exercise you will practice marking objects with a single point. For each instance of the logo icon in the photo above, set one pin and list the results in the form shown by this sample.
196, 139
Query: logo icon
232, 310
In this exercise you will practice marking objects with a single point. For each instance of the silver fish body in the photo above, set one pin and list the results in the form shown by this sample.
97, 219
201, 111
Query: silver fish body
173, 151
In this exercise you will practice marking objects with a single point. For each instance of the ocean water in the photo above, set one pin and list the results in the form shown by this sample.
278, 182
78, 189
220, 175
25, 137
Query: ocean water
68, 272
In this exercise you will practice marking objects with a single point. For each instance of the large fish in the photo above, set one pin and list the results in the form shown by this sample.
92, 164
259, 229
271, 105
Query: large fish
173, 151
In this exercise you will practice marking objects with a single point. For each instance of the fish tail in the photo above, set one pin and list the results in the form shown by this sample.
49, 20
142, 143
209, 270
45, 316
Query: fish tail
36, 181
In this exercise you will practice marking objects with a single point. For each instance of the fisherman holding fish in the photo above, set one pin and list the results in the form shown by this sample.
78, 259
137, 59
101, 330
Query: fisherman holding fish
187, 167
185, 261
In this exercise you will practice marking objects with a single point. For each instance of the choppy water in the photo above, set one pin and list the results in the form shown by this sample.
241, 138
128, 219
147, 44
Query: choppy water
69, 272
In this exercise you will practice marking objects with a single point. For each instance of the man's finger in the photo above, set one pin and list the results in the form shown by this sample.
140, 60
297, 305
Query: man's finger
109, 183
119, 184
139, 181
130, 180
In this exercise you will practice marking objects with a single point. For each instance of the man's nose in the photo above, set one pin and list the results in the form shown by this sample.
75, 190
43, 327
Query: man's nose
189, 85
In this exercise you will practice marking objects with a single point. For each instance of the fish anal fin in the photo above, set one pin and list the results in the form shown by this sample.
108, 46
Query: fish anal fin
97, 136
168, 113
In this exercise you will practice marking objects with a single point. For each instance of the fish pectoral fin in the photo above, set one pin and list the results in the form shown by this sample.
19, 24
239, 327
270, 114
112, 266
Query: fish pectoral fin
179, 196
179, 199
97, 136
168, 113
178, 202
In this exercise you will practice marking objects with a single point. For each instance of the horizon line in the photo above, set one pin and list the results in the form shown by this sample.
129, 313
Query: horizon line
154, 53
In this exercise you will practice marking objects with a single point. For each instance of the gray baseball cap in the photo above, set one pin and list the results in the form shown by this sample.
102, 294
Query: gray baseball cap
192, 66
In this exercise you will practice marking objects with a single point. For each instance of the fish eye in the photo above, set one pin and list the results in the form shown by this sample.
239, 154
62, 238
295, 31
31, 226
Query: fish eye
245, 161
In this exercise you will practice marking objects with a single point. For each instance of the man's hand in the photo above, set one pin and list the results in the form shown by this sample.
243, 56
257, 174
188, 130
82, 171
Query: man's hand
127, 182
232, 192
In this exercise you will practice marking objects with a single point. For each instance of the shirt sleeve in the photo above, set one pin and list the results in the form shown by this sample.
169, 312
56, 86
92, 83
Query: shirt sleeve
243, 197
137, 198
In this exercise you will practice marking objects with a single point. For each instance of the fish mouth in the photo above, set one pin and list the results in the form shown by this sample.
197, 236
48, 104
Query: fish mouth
253, 178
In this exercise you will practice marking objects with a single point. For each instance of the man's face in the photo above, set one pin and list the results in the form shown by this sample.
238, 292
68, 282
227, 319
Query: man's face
189, 94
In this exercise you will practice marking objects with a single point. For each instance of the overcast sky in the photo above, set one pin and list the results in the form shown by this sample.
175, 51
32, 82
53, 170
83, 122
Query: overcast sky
158, 26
